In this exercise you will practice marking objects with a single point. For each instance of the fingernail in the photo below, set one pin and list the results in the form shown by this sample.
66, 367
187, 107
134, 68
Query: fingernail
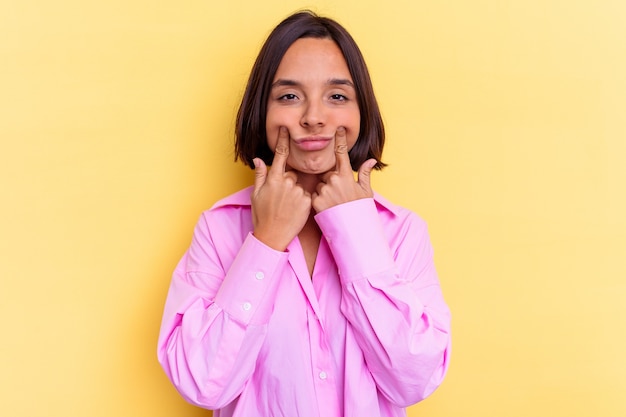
255, 161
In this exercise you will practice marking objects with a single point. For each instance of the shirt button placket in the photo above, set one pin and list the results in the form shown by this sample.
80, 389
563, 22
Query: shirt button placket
325, 385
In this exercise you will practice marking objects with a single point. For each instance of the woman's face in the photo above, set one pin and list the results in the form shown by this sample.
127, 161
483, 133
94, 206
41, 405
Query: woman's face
312, 95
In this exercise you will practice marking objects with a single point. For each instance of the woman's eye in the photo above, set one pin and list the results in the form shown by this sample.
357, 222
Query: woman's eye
288, 97
339, 97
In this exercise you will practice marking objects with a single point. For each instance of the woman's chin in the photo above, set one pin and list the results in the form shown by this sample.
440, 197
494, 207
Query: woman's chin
313, 166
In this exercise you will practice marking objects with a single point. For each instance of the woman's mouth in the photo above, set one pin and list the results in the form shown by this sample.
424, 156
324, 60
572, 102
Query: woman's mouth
313, 143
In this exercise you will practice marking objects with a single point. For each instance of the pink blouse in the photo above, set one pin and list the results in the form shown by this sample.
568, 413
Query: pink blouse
248, 332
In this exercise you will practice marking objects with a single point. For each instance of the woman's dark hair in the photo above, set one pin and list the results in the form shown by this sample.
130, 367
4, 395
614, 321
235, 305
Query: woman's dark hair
250, 134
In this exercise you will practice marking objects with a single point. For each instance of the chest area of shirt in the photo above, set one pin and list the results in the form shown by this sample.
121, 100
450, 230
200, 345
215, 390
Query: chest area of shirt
304, 300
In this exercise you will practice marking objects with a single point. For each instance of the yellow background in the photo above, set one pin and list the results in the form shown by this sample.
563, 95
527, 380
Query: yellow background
506, 131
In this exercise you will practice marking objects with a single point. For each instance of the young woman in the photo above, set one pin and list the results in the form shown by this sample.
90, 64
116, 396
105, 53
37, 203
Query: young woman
307, 294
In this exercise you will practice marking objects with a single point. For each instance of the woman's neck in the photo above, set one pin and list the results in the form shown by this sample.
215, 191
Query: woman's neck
308, 182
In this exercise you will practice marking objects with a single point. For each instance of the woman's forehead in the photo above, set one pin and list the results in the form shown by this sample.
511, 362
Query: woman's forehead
313, 57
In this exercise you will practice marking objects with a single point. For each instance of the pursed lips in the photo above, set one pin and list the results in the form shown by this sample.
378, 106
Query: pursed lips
312, 143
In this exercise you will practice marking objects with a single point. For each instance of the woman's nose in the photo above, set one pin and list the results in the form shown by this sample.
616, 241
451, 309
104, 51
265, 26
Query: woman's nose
314, 115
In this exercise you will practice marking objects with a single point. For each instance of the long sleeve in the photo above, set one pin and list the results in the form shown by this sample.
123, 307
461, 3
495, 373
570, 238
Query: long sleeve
217, 309
391, 297
247, 331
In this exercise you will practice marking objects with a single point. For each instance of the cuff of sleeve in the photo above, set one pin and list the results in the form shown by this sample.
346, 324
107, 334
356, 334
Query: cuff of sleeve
356, 238
249, 288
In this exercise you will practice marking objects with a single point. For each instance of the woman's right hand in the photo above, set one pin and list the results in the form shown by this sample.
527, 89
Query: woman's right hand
280, 207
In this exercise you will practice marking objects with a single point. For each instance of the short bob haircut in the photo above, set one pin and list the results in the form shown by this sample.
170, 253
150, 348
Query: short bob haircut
250, 133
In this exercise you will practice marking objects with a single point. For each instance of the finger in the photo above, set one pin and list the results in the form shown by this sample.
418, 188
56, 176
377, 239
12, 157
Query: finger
260, 172
341, 151
281, 152
318, 188
314, 199
325, 177
292, 175
364, 174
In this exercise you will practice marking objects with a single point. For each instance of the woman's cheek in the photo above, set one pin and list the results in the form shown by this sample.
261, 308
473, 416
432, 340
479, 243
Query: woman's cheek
272, 137
352, 138
274, 121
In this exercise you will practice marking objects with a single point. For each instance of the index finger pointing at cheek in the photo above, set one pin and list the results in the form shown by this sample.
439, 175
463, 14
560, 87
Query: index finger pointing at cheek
281, 152
341, 151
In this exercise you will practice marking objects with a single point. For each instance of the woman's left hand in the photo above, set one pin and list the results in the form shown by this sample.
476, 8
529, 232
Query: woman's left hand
338, 186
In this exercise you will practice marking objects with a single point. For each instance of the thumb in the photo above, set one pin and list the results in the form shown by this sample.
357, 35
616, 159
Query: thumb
364, 173
260, 173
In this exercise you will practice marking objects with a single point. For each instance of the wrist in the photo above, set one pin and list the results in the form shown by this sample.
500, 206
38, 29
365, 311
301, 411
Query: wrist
271, 240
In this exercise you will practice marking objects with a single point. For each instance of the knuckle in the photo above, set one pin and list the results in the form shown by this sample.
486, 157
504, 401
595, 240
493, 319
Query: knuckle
333, 178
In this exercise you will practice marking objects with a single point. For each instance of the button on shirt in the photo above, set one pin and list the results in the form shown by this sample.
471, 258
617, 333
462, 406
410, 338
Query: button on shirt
247, 331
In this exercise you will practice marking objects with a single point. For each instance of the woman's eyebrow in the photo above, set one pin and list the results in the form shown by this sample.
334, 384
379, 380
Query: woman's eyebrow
283, 82
340, 81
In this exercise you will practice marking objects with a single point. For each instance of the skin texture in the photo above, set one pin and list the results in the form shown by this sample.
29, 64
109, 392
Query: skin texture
313, 121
